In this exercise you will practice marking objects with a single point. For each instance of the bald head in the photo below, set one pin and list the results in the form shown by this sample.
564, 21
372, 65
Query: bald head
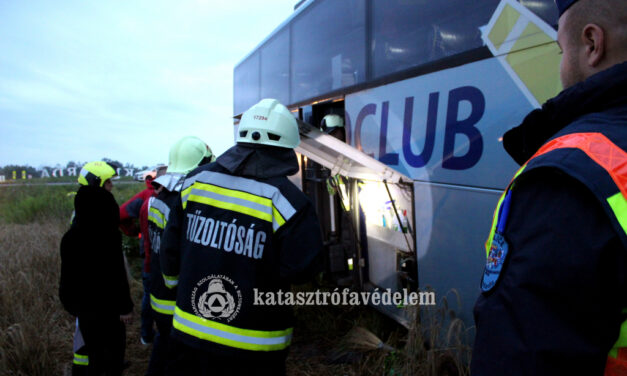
611, 15
593, 37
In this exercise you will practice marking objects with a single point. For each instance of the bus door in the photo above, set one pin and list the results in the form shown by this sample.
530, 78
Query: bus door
366, 211
324, 191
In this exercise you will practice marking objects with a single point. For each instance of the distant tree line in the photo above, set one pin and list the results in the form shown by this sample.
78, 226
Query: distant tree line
71, 168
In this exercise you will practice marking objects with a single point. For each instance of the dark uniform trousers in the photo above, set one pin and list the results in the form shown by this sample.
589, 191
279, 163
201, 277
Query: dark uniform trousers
161, 346
162, 298
105, 337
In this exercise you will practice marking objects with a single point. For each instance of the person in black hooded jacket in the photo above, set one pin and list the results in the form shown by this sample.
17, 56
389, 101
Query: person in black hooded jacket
239, 228
94, 285
554, 287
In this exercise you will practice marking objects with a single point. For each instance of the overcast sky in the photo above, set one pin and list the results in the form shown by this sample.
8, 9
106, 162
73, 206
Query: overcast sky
82, 80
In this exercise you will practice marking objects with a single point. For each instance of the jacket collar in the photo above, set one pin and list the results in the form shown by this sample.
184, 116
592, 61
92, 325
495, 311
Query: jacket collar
600, 92
259, 161
170, 181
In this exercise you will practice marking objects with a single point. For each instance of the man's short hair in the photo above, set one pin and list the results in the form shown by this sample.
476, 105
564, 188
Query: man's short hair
610, 15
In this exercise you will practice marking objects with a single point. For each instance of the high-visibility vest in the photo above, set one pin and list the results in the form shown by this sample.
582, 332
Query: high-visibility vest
613, 160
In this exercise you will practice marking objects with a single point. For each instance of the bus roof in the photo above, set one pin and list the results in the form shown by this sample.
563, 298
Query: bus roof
329, 48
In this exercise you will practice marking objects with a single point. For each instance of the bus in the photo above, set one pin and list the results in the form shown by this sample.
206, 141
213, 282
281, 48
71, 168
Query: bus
426, 89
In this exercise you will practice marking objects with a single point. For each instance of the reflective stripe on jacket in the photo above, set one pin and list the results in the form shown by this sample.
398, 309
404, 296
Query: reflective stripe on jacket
228, 237
162, 289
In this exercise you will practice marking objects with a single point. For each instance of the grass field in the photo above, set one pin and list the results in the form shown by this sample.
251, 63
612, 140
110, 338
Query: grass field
36, 333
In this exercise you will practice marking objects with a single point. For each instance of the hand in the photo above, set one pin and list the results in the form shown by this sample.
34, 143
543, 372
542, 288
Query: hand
128, 318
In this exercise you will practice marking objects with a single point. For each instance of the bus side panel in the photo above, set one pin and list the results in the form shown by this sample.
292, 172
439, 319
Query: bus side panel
452, 224
443, 127
382, 265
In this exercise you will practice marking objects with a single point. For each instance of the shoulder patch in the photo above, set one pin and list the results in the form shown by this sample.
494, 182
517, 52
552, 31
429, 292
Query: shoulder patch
494, 263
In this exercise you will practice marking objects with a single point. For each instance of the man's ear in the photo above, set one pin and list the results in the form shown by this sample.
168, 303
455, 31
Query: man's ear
593, 38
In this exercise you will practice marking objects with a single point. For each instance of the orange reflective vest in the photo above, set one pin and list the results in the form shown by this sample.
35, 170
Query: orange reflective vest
613, 160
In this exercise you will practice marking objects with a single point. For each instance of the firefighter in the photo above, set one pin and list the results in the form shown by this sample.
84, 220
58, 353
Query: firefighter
240, 228
94, 285
333, 125
185, 155
553, 290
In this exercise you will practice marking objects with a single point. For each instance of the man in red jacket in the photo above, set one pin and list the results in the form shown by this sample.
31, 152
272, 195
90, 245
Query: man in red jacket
136, 208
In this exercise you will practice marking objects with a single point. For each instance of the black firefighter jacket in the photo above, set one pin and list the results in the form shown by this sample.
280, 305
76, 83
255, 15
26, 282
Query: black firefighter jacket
556, 308
241, 228
93, 275
162, 296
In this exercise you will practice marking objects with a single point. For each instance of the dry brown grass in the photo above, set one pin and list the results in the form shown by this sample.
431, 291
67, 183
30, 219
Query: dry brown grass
36, 333
326, 343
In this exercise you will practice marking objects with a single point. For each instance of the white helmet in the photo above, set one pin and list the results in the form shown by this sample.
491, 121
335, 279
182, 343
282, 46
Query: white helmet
188, 153
269, 123
330, 122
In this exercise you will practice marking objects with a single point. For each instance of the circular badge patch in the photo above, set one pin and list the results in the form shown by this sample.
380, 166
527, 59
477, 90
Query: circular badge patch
494, 263
216, 297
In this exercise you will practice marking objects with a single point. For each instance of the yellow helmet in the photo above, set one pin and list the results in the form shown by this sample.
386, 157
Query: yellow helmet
188, 153
96, 173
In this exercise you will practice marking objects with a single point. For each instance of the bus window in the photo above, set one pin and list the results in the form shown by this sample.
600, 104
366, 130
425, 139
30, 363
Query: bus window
246, 84
328, 48
410, 33
275, 69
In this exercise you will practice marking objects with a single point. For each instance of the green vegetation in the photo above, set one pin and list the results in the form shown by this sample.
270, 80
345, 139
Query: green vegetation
27, 204
42, 203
